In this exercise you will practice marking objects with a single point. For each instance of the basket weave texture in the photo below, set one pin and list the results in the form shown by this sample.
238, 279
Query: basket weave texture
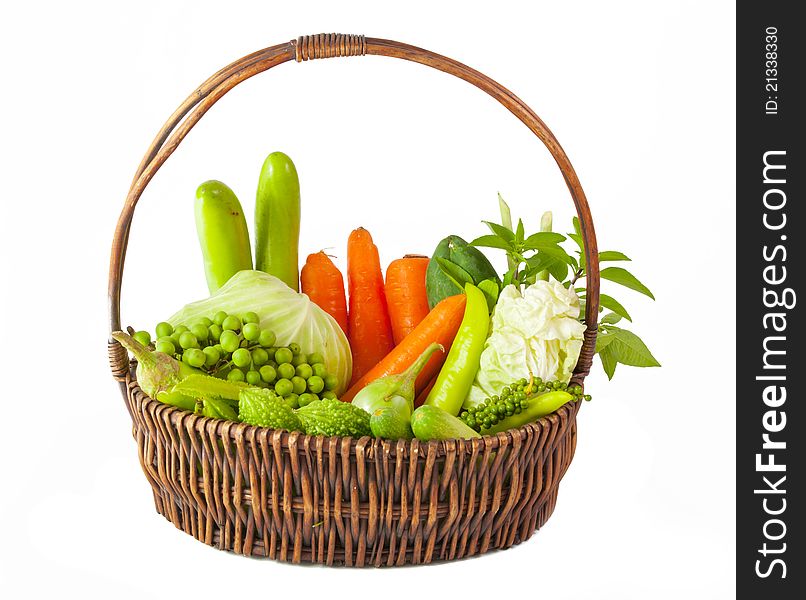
332, 500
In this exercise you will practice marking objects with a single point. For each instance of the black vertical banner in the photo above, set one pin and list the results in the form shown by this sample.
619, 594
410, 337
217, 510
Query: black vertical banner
771, 54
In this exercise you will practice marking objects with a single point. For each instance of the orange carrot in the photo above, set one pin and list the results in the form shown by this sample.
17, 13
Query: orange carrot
420, 400
324, 285
440, 325
405, 294
368, 330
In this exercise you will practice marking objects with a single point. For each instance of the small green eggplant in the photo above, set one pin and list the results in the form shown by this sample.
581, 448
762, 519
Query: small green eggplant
395, 391
172, 382
156, 372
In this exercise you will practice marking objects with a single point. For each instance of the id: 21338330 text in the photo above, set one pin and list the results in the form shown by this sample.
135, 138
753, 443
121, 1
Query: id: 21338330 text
771, 70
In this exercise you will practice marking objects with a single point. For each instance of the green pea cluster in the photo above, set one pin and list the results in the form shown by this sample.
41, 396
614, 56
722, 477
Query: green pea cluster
512, 400
237, 349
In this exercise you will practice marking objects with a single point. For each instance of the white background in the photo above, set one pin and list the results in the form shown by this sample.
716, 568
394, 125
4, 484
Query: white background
641, 95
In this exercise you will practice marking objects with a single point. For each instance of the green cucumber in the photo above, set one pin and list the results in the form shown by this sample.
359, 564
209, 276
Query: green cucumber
390, 423
453, 248
222, 231
432, 423
277, 219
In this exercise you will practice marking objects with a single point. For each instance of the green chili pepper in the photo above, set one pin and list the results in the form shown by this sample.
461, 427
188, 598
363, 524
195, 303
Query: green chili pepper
177, 399
536, 407
456, 377
215, 408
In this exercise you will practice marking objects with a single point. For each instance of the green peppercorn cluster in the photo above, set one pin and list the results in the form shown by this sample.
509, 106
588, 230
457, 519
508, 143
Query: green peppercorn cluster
512, 400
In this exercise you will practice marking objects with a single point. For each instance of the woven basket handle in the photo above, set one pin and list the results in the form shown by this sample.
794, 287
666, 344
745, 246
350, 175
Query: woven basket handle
327, 46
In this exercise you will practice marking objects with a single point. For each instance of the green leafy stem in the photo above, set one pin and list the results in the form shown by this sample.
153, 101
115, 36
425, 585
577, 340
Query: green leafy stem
540, 255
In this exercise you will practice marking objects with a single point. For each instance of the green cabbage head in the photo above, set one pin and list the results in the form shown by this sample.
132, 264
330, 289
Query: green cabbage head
292, 316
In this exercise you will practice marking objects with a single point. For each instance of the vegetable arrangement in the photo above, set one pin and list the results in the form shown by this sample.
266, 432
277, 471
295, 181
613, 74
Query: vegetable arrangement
440, 348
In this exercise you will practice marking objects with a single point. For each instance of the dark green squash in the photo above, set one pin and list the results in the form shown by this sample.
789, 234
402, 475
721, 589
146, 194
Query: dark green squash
453, 248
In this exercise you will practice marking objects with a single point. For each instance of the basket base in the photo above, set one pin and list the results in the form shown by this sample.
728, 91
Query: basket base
414, 552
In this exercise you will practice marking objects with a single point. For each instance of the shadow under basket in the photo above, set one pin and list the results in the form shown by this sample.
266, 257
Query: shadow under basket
332, 500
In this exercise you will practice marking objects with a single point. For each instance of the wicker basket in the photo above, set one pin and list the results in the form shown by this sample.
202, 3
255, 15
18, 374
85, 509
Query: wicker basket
332, 500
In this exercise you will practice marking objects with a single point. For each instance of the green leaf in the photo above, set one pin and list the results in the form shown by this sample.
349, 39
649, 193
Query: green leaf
611, 318
612, 304
557, 252
608, 361
543, 262
602, 340
492, 241
558, 270
579, 241
612, 255
541, 239
625, 278
455, 273
519, 232
491, 290
628, 349
501, 231
538, 262
508, 277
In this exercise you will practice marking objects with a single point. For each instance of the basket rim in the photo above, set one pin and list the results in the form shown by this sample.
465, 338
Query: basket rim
233, 430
